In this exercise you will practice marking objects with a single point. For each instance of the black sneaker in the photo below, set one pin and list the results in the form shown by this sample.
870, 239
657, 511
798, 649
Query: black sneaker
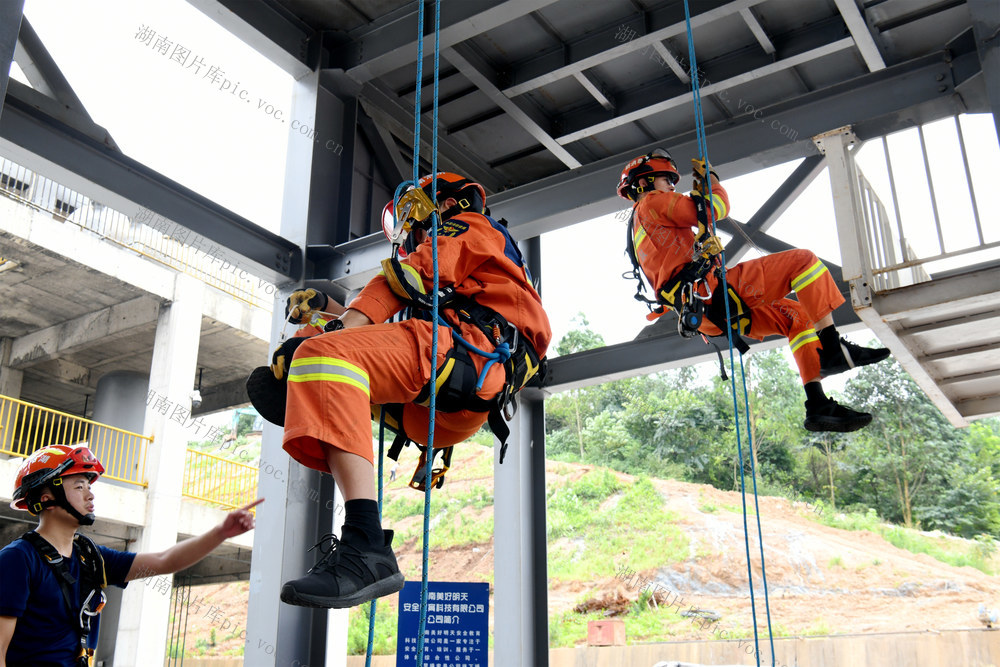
846, 356
832, 416
347, 575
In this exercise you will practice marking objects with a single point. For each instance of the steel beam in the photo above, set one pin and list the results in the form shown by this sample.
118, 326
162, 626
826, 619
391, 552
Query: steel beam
476, 70
45, 104
758, 30
775, 206
390, 43
986, 28
595, 89
628, 34
385, 109
861, 34
770, 245
652, 100
270, 29
890, 100
46, 145
671, 61
652, 354
388, 159
43, 73
11, 14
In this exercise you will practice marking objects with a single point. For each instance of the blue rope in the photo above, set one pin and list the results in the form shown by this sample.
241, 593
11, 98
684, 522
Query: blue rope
429, 471
703, 152
381, 462
500, 353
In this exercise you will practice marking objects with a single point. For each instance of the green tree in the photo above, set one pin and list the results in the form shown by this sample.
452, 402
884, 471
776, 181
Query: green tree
912, 465
580, 339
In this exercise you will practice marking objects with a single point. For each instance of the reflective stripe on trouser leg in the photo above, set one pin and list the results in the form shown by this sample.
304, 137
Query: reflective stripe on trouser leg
336, 377
333, 409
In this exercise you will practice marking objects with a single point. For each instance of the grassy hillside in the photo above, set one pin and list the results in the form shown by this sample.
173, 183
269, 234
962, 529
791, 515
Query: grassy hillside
669, 558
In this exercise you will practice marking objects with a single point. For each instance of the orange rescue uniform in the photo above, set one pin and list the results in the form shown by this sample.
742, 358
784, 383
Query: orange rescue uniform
336, 378
663, 233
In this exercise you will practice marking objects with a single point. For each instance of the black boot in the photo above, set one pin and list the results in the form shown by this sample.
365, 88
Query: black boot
843, 355
828, 415
349, 574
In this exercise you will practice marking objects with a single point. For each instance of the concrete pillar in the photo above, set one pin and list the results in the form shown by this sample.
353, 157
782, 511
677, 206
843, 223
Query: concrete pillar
10, 378
119, 402
142, 629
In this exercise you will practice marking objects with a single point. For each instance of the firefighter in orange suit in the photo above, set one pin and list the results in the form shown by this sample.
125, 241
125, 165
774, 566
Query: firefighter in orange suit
682, 266
338, 379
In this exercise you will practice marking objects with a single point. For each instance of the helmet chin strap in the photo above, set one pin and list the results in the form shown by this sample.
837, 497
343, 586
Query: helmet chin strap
62, 501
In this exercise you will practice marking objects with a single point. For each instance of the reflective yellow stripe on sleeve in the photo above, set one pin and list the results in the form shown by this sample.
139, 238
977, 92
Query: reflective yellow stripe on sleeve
719, 206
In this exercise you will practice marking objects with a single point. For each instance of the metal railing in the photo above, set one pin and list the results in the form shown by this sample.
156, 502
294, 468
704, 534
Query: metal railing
174, 247
213, 479
25, 428
945, 226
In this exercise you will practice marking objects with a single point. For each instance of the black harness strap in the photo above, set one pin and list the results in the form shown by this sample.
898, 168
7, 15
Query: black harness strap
92, 575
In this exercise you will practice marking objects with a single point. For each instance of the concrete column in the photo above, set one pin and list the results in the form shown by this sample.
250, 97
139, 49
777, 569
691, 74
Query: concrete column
10, 378
142, 629
119, 402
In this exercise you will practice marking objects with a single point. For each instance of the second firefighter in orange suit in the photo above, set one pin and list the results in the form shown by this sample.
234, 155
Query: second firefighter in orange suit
663, 239
334, 379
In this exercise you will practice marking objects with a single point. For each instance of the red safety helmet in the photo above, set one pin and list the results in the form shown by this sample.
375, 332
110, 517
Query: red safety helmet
637, 176
41, 469
471, 196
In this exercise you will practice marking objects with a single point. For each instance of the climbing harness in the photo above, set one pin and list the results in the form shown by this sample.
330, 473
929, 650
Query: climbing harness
92, 584
456, 380
732, 336
687, 291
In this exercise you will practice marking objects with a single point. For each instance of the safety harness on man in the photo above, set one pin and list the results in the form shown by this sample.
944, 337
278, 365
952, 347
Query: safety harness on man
687, 290
457, 380
92, 583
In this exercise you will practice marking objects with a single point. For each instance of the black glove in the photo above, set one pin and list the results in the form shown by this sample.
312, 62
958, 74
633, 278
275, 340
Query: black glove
282, 357
301, 304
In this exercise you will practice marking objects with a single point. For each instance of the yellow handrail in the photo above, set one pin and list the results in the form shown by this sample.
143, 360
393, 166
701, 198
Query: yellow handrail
25, 428
213, 479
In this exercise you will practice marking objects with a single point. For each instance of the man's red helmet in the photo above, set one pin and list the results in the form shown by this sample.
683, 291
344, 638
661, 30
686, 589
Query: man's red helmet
41, 468
471, 196
637, 176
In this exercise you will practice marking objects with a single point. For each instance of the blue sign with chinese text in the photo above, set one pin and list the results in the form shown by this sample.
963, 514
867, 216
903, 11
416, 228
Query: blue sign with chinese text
458, 619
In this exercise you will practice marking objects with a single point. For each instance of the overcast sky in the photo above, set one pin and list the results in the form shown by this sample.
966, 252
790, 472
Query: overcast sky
185, 97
